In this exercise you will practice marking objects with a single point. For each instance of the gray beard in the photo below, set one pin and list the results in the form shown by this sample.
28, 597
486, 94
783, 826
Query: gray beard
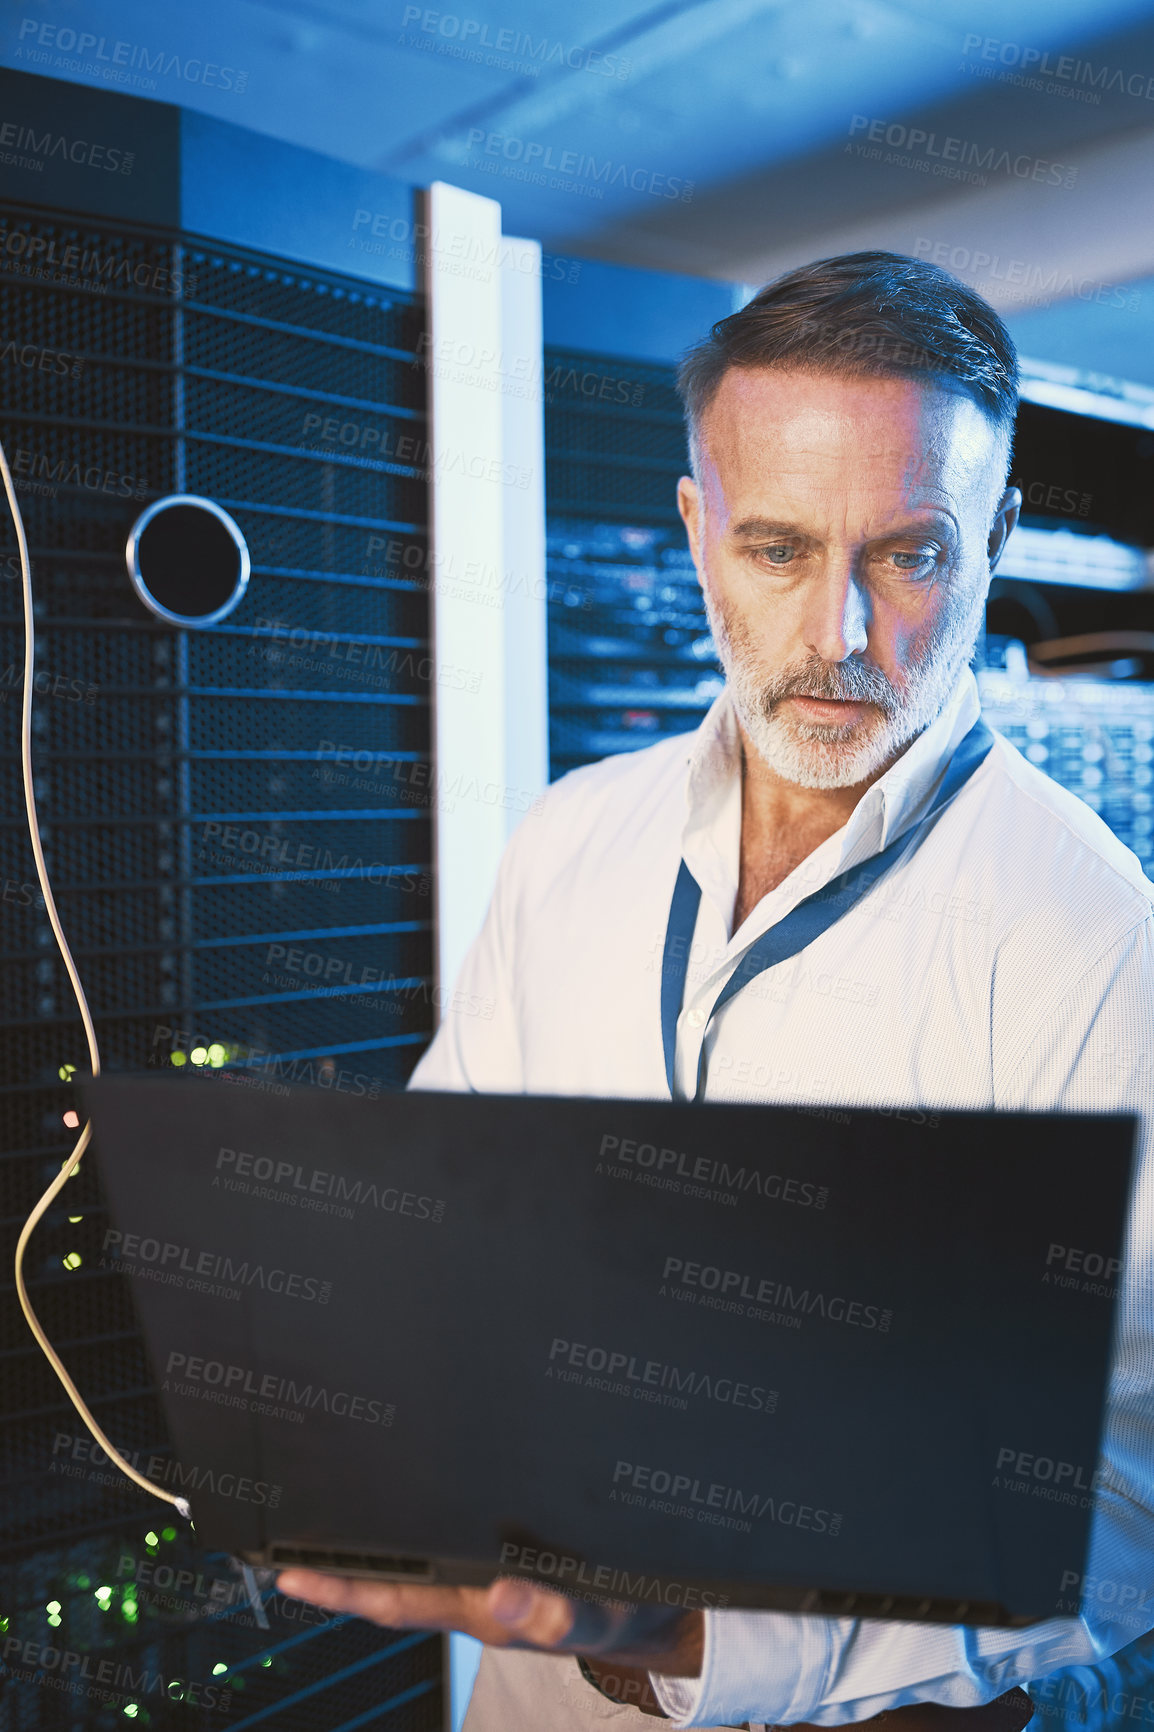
832, 755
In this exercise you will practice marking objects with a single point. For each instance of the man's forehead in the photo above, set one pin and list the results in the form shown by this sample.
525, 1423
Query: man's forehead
801, 419
822, 451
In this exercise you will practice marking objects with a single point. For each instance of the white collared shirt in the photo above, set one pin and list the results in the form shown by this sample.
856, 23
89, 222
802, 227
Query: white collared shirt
1008, 963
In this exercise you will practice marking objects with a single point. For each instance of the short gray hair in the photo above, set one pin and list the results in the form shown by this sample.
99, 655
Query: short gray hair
869, 315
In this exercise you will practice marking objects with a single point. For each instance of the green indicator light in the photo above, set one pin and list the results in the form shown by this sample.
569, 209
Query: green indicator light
66, 1072
132, 1709
168, 1533
55, 1622
151, 1539
73, 1260
216, 1055
267, 1662
219, 1668
84, 1581
53, 1606
179, 1058
199, 1055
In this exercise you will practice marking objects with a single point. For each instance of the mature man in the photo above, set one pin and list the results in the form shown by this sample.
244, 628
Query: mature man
849, 434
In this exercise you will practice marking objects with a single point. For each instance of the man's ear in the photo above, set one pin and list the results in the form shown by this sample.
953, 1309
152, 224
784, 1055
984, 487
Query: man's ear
1005, 517
689, 504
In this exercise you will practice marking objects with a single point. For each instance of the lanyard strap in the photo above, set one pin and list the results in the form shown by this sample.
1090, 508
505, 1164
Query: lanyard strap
814, 915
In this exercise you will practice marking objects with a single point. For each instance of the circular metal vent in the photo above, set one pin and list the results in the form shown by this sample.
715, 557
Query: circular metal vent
188, 560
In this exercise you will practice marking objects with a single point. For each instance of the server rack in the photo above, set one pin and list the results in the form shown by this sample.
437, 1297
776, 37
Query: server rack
630, 656
235, 829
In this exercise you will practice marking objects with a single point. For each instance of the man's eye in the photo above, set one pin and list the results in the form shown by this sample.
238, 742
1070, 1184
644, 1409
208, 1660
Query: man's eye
780, 553
912, 561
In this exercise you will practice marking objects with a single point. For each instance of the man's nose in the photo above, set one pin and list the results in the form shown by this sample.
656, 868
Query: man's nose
837, 615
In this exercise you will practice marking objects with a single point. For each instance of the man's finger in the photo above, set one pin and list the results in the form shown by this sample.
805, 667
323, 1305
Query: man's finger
505, 1613
394, 1604
534, 1616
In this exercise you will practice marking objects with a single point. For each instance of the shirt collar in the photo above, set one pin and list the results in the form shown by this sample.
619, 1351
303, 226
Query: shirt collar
712, 832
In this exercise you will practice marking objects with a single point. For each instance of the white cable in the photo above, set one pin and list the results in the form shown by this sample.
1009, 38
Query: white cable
71, 1163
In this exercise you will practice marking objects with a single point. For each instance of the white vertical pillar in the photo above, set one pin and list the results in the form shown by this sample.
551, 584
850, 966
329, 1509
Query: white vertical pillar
464, 1663
466, 531
526, 644
487, 541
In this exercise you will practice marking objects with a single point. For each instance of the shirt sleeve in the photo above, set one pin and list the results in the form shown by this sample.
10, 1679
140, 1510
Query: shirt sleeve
477, 1048
1092, 1053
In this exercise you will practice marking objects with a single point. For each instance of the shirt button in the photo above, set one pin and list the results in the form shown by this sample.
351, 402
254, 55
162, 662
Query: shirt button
695, 1018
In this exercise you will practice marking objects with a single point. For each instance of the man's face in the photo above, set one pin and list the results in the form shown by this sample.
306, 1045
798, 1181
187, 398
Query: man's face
843, 532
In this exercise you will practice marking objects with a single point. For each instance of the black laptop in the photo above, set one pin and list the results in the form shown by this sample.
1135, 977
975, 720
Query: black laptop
812, 1359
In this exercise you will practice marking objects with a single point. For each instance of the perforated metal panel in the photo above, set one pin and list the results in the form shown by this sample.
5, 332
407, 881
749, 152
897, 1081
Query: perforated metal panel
237, 828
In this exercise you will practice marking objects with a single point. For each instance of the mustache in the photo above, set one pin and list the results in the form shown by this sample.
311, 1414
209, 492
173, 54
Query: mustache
854, 681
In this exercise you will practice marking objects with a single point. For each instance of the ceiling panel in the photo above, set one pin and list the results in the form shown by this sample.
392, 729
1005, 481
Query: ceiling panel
696, 135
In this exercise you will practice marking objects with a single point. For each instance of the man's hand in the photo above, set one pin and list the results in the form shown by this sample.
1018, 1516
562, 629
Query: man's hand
510, 1613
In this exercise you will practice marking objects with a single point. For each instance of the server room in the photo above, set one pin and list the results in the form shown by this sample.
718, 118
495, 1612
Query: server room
577, 991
